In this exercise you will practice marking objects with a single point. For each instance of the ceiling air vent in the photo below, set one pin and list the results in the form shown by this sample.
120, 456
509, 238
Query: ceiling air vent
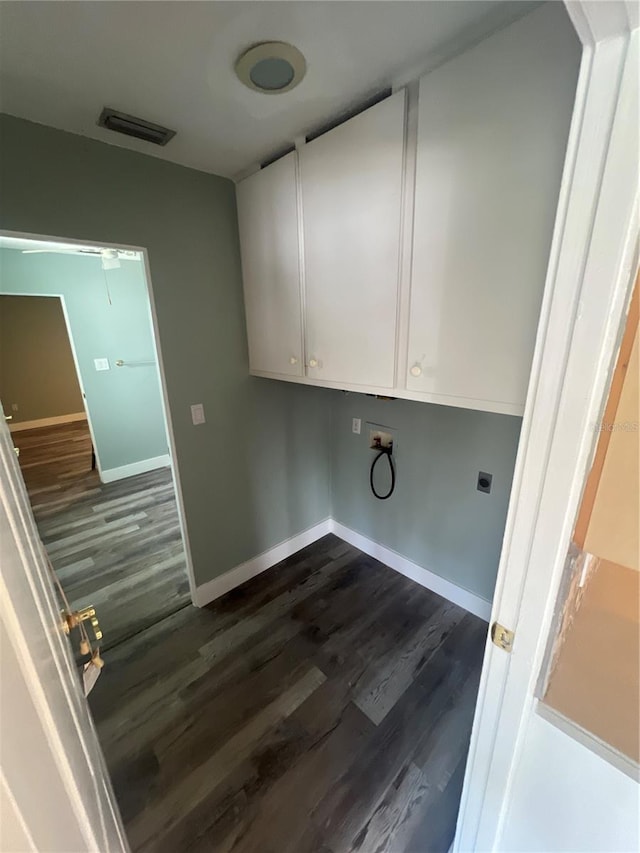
133, 126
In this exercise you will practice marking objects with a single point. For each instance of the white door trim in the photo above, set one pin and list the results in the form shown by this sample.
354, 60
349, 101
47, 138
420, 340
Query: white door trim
166, 408
593, 259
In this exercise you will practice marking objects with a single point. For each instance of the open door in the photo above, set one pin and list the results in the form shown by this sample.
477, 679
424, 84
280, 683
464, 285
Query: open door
56, 794
520, 793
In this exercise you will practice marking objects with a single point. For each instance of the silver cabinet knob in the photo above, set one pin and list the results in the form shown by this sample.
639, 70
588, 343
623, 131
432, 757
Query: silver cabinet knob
416, 370
313, 362
293, 360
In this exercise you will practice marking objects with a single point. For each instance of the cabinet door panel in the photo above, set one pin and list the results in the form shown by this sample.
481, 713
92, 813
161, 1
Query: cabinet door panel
268, 223
351, 201
492, 131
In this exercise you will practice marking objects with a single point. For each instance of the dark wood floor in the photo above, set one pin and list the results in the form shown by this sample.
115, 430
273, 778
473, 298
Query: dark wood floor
325, 706
118, 545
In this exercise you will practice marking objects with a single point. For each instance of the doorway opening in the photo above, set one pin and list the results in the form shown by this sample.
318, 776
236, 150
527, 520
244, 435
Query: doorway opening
82, 387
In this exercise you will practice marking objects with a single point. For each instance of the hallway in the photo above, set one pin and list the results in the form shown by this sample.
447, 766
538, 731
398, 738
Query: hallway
117, 545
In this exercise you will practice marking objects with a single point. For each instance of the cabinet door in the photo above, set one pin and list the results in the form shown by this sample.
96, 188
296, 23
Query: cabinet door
269, 243
351, 205
492, 131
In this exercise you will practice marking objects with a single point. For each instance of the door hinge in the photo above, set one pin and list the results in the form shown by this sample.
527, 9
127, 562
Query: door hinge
502, 637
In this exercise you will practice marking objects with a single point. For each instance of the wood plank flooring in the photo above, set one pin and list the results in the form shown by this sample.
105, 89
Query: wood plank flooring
323, 707
118, 545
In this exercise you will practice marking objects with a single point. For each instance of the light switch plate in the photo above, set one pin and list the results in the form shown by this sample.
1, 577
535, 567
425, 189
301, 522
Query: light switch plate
101, 363
197, 414
356, 425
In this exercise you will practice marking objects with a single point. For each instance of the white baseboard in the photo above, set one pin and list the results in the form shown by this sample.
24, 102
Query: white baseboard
208, 592
44, 422
451, 591
111, 474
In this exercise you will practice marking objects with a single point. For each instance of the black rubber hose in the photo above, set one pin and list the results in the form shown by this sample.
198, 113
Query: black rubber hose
387, 453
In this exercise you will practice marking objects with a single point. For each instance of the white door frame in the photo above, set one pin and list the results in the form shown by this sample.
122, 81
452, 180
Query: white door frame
67, 322
593, 259
166, 408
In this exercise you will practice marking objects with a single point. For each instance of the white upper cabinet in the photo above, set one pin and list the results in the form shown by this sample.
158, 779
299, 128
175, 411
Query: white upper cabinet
351, 180
492, 131
269, 242
409, 257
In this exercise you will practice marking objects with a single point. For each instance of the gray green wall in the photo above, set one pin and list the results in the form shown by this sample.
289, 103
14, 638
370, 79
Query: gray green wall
435, 517
37, 372
273, 458
109, 317
257, 472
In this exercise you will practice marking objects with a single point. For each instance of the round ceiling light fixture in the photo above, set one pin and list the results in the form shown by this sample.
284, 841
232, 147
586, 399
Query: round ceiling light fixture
271, 67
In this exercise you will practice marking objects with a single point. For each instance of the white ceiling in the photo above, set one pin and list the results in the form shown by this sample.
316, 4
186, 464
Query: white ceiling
172, 63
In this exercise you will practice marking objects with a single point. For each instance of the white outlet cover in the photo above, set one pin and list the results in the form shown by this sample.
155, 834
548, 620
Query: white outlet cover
101, 363
356, 426
197, 414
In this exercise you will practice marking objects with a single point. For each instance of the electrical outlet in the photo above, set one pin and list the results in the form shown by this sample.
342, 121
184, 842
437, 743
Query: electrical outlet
197, 414
14, 407
484, 482
101, 363
356, 425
